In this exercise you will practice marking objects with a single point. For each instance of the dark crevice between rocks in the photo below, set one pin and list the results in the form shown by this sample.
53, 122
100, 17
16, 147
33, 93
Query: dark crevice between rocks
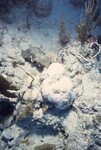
6, 85
99, 39
37, 127
6, 109
39, 68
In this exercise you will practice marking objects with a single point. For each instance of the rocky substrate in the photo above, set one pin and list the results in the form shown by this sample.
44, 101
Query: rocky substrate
57, 107
47, 102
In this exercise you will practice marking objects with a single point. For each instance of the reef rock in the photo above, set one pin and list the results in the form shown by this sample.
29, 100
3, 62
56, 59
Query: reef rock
36, 57
29, 95
57, 89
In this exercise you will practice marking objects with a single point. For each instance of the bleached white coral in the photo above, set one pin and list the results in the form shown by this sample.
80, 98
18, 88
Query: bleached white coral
55, 68
57, 89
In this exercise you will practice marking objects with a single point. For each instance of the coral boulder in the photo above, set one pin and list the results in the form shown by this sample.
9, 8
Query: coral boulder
57, 89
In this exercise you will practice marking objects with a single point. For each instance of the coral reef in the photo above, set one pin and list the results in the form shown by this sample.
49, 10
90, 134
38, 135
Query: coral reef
48, 102
62, 102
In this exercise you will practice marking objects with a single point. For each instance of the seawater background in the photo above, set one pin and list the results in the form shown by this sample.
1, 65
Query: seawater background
43, 32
